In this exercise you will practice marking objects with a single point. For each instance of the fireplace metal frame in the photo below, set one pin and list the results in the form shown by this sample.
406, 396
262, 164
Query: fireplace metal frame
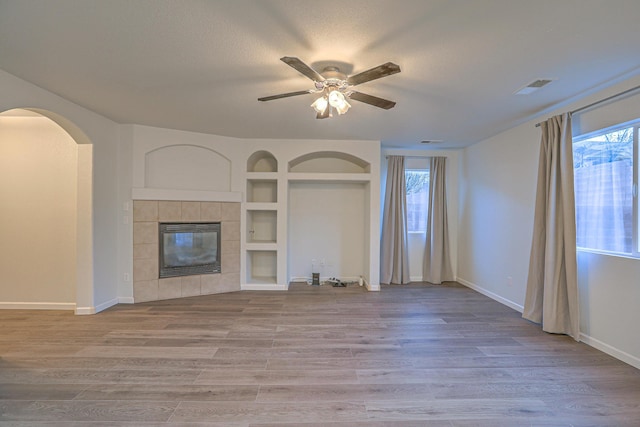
191, 227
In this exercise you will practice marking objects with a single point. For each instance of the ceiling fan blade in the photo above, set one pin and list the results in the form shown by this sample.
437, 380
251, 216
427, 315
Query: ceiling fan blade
372, 100
326, 113
374, 73
284, 95
302, 68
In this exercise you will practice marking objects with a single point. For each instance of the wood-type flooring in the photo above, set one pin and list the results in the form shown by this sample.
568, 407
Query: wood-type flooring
414, 355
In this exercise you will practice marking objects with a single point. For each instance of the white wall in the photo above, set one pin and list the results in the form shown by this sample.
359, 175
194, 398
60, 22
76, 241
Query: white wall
326, 223
125, 215
38, 183
97, 278
497, 196
416, 159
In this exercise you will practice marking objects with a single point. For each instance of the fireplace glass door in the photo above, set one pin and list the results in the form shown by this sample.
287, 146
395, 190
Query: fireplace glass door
189, 249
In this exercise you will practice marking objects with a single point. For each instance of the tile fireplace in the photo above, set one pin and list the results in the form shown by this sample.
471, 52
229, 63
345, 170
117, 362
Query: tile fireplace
148, 216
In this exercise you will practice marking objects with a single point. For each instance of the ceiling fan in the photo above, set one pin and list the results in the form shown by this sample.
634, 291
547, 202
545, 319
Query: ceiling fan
335, 87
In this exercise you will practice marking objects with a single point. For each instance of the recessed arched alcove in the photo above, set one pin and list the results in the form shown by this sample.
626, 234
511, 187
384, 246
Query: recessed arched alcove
48, 212
187, 167
262, 161
329, 162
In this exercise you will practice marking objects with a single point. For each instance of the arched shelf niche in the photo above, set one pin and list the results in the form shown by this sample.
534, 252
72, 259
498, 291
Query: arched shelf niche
329, 162
262, 161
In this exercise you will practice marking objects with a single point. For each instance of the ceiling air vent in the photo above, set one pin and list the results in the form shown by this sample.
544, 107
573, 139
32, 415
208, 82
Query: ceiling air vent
533, 86
431, 141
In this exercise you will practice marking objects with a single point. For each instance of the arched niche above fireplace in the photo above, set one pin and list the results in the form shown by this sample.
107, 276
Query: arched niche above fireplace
187, 167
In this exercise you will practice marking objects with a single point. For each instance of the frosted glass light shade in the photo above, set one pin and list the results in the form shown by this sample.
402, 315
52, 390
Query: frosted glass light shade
343, 107
338, 101
336, 98
320, 104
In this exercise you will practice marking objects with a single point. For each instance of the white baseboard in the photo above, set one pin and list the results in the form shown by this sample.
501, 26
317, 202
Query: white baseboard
125, 300
610, 350
495, 297
106, 305
325, 278
37, 305
299, 279
370, 287
593, 342
85, 311
263, 287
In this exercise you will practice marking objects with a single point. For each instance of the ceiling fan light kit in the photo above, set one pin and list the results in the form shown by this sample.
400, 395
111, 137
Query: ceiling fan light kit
335, 87
331, 99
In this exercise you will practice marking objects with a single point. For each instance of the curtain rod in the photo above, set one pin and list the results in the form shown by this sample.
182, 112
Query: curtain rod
407, 157
602, 101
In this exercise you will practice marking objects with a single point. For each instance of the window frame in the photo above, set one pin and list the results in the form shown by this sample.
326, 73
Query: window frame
417, 169
635, 238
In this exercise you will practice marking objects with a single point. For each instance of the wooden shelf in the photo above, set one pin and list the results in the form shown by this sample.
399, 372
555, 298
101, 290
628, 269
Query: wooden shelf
254, 206
262, 175
261, 246
329, 177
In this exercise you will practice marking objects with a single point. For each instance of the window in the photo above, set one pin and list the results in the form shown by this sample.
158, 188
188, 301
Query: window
605, 175
417, 183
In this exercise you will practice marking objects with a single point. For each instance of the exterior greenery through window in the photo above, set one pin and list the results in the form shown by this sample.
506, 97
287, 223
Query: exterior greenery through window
417, 183
605, 176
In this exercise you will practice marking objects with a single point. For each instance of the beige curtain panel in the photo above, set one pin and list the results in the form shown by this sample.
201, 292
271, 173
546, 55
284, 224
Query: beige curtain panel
437, 258
394, 250
552, 285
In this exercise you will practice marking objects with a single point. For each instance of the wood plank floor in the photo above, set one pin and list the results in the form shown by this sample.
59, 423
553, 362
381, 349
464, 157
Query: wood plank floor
416, 355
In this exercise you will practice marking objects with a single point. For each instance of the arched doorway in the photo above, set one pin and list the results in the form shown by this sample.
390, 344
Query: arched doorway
45, 219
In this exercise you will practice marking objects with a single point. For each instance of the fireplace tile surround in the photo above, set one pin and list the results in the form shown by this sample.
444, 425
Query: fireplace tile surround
146, 216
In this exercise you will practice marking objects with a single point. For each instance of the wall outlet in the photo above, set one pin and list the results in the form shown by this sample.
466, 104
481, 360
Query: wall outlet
126, 277
509, 281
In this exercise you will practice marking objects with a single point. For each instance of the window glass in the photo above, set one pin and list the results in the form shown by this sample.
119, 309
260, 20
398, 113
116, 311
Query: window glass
417, 183
604, 184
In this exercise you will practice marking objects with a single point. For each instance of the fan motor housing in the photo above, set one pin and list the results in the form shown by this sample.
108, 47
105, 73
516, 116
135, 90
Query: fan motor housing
333, 73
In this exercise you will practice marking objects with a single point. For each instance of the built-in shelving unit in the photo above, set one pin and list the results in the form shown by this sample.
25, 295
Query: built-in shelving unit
270, 249
261, 221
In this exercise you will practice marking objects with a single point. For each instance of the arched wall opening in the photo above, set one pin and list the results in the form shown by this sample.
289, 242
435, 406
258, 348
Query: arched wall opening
46, 217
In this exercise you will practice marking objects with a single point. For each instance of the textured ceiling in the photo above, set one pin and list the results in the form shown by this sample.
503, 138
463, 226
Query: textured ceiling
201, 65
